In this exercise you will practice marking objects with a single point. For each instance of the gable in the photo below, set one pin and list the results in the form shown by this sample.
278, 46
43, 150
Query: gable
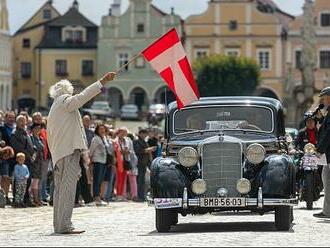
38, 17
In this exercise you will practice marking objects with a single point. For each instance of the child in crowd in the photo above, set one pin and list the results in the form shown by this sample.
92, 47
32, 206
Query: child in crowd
21, 174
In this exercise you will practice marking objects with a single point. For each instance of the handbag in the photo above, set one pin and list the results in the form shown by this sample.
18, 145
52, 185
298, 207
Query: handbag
110, 160
127, 165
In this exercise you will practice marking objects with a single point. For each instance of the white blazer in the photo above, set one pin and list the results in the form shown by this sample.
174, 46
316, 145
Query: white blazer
65, 130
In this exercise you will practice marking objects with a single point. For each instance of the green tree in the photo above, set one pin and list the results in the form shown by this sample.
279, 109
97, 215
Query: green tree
221, 75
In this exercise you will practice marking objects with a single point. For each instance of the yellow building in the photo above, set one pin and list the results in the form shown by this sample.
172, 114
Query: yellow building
25, 40
67, 51
250, 28
63, 47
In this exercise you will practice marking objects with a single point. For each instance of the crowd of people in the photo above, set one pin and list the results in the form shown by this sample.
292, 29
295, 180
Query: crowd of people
114, 168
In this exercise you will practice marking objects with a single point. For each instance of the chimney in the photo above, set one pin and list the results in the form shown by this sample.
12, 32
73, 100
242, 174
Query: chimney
75, 5
50, 2
172, 11
110, 12
116, 8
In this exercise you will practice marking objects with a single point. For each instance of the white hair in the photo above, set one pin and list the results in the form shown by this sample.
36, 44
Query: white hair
62, 87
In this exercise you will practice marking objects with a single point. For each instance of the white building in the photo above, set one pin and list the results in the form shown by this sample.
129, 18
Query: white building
5, 59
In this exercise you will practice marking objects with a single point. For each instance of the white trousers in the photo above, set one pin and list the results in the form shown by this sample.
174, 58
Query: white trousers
66, 174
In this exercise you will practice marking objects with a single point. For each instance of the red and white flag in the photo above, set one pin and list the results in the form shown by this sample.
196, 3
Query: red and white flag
168, 58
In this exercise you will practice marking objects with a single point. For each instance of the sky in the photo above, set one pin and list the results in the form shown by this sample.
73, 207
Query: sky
21, 10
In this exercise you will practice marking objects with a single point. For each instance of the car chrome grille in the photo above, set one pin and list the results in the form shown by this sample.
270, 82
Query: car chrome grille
222, 167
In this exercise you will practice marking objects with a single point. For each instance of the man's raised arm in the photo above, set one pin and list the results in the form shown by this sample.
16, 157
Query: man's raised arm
75, 102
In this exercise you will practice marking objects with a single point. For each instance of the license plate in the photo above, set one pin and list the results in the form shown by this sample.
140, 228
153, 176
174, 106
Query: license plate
310, 161
222, 202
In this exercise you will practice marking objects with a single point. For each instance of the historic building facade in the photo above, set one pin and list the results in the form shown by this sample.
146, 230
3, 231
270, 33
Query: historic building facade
50, 47
122, 36
25, 41
67, 50
250, 28
5, 59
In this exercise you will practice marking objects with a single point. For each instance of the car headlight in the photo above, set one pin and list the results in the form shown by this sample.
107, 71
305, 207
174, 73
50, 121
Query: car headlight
309, 149
188, 156
255, 153
243, 186
198, 186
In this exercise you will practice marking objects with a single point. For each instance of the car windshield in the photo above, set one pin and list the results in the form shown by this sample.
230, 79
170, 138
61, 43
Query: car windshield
224, 118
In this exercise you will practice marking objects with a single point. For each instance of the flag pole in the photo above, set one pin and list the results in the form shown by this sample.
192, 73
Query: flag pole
130, 61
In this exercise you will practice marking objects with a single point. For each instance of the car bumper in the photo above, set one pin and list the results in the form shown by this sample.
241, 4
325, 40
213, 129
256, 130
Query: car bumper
185, 203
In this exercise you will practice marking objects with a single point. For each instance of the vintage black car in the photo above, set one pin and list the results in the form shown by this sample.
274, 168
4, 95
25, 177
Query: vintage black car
224, 154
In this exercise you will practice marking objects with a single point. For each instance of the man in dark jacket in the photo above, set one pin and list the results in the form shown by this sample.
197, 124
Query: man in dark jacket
144, 154
323, 147
21, 142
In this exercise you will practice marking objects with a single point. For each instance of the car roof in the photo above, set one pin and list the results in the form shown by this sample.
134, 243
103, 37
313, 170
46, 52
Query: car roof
235, 100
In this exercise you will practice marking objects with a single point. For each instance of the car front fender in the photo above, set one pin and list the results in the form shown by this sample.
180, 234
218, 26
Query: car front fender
166, 179
276, 177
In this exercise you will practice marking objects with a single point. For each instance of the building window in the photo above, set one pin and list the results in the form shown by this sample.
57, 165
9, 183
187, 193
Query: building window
122, 60
77, 36
233, 25
26, 70
298, 59
325, 59
61, 68
233, 52
201, 53
264, 59
140, 63
26, 43
325, 20
47, 14
73, 36
88, 68
140, 28
68, 36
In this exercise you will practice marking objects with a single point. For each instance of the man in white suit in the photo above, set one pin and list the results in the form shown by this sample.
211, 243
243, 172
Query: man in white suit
66, 140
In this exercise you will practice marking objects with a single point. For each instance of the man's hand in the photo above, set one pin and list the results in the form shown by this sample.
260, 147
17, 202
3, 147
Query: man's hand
109, 76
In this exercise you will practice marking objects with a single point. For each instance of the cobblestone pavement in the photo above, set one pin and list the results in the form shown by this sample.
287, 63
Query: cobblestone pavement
132, 224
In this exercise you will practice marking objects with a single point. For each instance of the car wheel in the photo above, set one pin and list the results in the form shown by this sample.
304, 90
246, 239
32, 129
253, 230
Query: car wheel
283, 218
164, 220
309, 197
175, 218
